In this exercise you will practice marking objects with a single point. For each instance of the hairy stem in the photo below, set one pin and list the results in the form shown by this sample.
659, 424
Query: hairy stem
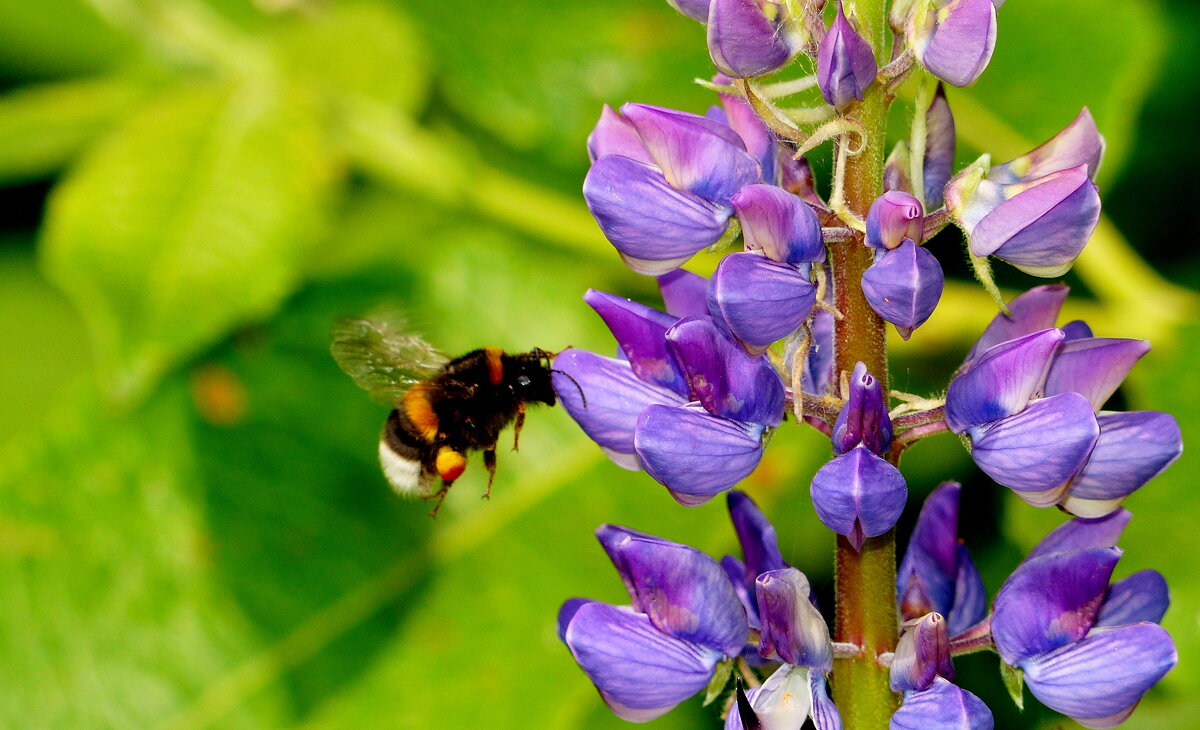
866, 593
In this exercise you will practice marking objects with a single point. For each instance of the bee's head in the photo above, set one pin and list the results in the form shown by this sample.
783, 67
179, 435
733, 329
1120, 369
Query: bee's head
531, 377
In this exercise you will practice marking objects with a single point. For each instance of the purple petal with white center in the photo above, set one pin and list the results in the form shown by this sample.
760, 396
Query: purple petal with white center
1082, 533
1099, 680
944, 706
684, 592
825, 715
1038, 449
904, 286
727, 382
864, 419
1141, 597
793, 630
641, 672
894, 217
755, 534
939, 149
653, 225
858, 495
1133, 448
615, 135
640, 330
748, 38
970, 596
1000, 381
779, 224
1042, 228
1051, 601
954, 40
1033, 311
925, 579
694, 9
845, 63
760, 301
684, 293
693, 454
604, 397
922, 654
696, 154
759, 141
1093, 367
1079, 143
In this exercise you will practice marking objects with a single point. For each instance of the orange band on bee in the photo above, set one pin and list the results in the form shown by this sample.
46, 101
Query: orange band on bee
450, 464
419, 410
495, 364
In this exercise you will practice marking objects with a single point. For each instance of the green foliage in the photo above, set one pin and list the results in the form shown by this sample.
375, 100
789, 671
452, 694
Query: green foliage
193, 529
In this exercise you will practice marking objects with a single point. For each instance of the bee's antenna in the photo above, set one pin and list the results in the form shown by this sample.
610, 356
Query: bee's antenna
563, 373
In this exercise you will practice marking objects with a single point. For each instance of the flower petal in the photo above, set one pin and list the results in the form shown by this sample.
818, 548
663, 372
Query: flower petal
684, 592
653, 225
1000, 381
694, 454
760, 301
1093, 367
864, 419
615, 135
1133, 448
748, 38
1140, 597
922, 654
1038, 449
939, 149
727, 382
684, 293
640, 331
1033, 311
845, 63
1103, 675
1082, 533
894, 217
604, 397
779, 224
756, 535
858, 494
641, 672
925, 579
904, 286
792, 628
944, 706
954, 40
1051, 601
1079, 143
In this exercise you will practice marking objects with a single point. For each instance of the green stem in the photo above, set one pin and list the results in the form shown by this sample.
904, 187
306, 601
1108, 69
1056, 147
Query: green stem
866, 593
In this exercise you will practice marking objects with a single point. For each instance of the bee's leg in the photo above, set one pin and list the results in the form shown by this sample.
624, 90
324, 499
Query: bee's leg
489, 461
448, 464
440, 496
520, 422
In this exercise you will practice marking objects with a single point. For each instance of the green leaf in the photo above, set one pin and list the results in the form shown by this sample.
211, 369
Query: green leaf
190, 219
108, 616
58, 37
366, 48
44, 127
720, 678
1014, 682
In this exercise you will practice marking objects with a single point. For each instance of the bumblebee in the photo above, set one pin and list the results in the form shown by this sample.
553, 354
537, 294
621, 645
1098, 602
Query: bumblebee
441, 409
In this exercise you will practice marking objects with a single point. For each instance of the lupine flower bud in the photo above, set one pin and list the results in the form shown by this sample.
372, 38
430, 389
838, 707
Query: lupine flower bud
953, 39
858, 495
793, 630
904, 286
796, 177
778, 224
944, 706
845, 63
939, 149
936, 573
864, 419
922, 654
659, 214
894, 217
895, 169
1045, 621
748, 38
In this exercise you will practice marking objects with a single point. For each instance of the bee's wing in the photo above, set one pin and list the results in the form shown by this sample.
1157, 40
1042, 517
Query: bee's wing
382, 357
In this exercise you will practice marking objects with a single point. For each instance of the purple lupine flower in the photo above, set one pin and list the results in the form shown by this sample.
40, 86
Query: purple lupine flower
922, 654
858, 494
685, 617
760, 550
1046, 622
748, 38
1031, 406
845, 63
779, 225
1037, 211
895, 169
683, 293
904, 286
943, 706
660, 212
937, 573
953, 39
694, 9
736, 113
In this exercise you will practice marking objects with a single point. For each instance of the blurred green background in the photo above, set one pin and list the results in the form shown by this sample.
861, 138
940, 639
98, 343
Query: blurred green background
193, 529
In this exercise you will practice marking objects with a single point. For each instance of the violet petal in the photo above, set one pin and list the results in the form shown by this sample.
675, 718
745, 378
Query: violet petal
1141, 597
693, 454
858, 494
758, 300
1133, 448
1000, 381
793, 630
944, 706
727, 382
1093, 367
779, 224
1033, 311
904, 286
845, 63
